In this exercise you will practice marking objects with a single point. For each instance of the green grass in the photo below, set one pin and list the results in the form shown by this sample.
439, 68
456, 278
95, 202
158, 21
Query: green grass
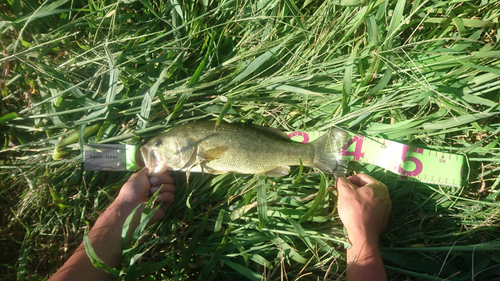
419, 72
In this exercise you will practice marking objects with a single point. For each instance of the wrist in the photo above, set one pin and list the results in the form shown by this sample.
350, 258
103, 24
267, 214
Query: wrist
362, 249
123, 206
124, 209
363, 239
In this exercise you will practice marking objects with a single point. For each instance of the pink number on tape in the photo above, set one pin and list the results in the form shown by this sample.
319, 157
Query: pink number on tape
305, 136
357, 154
406, 158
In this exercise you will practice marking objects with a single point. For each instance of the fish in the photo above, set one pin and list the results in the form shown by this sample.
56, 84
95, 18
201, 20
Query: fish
202, 146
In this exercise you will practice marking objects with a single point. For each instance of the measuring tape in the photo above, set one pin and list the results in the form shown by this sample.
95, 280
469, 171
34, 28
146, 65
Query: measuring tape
411, 163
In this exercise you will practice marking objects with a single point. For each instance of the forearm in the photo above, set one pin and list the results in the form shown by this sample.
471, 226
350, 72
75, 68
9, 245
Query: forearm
365, 262
105, 238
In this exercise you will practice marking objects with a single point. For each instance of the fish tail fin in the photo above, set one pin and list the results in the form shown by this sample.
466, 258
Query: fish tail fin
327, 155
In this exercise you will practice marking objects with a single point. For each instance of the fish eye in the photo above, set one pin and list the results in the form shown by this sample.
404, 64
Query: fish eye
158, 142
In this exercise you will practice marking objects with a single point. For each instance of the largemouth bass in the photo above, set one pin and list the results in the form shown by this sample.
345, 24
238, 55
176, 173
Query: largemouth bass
240, 148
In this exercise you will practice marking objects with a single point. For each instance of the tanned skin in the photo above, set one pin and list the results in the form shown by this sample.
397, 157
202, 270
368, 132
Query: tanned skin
105, 236
364, 207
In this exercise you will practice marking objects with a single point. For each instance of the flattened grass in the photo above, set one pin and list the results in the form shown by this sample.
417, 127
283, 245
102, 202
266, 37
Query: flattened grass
417, 72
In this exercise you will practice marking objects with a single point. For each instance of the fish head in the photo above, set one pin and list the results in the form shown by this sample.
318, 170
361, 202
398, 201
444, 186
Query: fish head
166, 152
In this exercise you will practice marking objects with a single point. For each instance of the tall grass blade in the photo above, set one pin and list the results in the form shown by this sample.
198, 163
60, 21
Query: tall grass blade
94, 259
262, 203
346, 89
201, 67
256, 63
395, 24
244, 271
318, 199
7, 117
149, 96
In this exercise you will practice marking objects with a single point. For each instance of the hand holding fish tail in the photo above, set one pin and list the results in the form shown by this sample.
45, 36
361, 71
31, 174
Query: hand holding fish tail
364, 206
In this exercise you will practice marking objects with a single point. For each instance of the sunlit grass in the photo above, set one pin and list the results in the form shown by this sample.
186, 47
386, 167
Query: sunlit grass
417, 72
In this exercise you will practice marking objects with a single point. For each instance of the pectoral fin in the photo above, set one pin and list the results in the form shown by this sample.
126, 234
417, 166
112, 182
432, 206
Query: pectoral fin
192, 160
212, 171
278, 171
214, 153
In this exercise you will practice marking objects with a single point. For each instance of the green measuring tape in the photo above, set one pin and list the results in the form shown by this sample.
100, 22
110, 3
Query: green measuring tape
411, 163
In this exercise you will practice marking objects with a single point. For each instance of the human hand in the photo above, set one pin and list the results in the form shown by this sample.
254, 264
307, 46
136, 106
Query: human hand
364, 206
139, 188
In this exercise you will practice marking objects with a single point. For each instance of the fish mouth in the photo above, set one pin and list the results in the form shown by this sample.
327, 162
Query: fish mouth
153, 160
150, 158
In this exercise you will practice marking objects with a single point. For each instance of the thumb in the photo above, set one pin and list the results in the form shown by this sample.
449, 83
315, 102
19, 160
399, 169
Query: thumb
345, 187
139, 176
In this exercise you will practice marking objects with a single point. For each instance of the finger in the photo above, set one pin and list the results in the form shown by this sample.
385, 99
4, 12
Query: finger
164, 188
143, 172
162, 178
160, 213
167, 198
162, 210
164, 207
381, 190
362, 180
139, 179
345, 187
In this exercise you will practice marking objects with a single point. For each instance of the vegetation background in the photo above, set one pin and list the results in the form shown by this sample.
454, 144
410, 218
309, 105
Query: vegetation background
419, 72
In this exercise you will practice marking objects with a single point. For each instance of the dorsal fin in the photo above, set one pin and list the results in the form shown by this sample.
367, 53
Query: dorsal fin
274, 132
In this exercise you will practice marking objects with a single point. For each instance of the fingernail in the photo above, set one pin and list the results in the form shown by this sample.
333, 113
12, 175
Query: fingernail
154, 181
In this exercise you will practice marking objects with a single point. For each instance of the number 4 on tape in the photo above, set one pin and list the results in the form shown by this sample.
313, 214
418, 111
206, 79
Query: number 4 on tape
411, 163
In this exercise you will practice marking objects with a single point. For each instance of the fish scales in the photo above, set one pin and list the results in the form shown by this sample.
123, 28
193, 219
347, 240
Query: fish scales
250, 150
